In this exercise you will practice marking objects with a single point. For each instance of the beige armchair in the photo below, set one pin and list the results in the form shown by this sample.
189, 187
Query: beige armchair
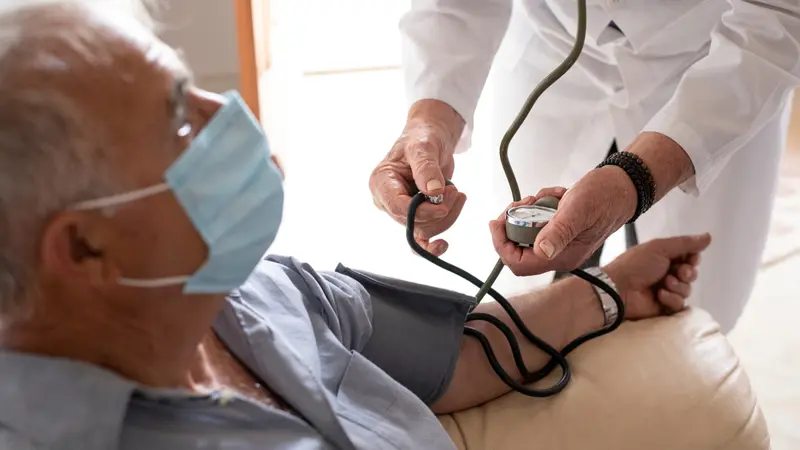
671, 383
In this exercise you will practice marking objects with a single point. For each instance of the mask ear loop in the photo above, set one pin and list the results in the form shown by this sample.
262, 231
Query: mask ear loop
154, 283
127, 197
119, 199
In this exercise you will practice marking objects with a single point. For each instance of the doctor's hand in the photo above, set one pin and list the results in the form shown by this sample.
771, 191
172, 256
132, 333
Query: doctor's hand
656, 277
598, 205
422, 156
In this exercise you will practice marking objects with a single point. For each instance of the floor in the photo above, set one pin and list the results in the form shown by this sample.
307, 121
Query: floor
332, 129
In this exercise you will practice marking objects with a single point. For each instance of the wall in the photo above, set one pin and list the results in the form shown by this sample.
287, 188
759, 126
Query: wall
205, 30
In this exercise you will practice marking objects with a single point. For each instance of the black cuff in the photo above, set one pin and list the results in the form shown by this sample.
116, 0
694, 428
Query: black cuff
416, 331
641, 177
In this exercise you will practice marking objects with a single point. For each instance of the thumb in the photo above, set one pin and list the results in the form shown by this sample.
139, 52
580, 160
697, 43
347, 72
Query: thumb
556, 235
684, 245
424, 162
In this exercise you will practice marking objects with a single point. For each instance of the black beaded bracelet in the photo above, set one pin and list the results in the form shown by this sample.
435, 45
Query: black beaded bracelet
641, 177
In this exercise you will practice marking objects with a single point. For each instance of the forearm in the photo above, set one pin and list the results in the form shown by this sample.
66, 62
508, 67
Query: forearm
669, 164
557, 314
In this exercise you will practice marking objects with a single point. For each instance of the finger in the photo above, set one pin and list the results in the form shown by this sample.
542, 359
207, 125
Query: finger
508, 251
556, 191
558, 233
685, 273
431, 228
671, 301
423, 158
525, 201
390, 192
498, 231
436, 248
450, 198
431, 212
426, 212
693, 259
674, 285
520, 260
680, 246
396, 206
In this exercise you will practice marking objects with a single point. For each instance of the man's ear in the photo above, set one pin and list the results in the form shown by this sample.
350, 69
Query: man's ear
73, 249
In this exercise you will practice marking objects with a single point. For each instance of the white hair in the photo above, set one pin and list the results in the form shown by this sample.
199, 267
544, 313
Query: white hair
48, 156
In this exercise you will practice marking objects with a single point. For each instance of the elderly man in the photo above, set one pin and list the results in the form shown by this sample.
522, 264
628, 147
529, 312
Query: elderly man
137, 309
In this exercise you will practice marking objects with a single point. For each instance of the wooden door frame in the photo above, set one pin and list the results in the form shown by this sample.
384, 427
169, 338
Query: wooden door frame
252, 37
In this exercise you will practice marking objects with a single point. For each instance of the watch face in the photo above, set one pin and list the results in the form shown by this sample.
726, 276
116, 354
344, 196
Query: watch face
530, 215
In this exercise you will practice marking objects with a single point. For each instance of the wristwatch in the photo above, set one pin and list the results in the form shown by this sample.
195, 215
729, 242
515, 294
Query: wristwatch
606, 302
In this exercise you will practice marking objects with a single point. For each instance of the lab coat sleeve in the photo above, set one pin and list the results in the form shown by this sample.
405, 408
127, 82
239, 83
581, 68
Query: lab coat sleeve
448, 49
724, 99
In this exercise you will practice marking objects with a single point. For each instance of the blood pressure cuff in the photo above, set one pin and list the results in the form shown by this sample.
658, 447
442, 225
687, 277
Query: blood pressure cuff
416, 331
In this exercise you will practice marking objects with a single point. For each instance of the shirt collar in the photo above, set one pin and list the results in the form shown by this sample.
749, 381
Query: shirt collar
60, 401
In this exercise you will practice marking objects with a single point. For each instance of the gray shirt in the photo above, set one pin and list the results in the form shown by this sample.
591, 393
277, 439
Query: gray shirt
308, 335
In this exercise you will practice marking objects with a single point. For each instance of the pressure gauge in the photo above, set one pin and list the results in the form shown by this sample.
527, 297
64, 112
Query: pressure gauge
524, 222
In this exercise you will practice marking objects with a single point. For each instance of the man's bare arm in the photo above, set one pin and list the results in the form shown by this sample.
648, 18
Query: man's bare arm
557, 314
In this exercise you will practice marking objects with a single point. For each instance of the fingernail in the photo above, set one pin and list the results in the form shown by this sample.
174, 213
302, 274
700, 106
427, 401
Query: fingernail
433, 185
548, 248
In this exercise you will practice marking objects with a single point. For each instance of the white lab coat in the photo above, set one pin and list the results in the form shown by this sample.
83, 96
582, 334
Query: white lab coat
714, 75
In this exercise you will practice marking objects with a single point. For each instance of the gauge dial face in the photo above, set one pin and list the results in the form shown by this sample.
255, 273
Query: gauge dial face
530, 215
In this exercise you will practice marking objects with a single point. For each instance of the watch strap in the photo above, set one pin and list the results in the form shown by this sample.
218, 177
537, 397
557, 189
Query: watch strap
609, 306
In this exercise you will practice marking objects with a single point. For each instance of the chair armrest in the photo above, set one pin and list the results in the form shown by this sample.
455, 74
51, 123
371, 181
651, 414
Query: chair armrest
659, 384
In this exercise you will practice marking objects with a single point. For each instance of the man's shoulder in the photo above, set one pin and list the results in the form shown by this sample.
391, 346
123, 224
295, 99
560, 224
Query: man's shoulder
277, 282
51, 401
286, 282
289, 293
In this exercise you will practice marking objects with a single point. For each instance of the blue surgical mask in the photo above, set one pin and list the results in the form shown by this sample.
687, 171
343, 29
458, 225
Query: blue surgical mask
231, 191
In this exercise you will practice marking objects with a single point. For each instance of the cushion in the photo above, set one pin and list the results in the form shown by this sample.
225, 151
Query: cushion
659, 384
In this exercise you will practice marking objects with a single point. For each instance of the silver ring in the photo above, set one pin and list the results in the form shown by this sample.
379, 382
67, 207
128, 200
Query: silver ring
436, 199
